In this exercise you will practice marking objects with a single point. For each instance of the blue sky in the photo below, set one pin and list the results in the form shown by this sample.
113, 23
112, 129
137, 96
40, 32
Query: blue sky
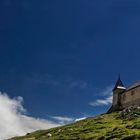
64, 56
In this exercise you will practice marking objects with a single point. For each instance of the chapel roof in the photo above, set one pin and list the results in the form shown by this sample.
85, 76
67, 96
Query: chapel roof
136, 84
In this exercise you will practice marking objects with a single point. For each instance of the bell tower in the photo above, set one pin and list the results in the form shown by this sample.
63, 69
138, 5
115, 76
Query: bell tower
117, 91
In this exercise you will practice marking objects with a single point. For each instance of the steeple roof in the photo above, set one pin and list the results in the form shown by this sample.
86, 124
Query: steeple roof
119, 84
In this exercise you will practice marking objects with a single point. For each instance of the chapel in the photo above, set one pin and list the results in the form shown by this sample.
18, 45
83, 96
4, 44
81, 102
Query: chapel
124, 97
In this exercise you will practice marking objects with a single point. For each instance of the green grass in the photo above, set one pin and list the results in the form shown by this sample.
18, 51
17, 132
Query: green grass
103, 127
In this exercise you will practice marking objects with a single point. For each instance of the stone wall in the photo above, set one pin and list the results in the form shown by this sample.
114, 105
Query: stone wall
131, 97
117, 97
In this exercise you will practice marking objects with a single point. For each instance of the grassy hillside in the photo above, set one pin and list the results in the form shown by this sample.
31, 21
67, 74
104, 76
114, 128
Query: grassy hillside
104, 127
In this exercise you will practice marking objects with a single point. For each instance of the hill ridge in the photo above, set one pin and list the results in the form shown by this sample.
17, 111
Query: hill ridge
123, 125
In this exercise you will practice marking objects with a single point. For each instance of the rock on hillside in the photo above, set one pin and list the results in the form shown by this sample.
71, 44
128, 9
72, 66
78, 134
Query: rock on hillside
124, 125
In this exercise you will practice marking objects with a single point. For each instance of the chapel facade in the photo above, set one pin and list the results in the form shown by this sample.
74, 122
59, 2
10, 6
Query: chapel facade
124, 97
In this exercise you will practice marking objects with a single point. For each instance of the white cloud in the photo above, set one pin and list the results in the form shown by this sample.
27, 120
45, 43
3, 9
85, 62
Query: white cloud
80, 119
14, 122
63, 120
107, 91
101, 102
105, 100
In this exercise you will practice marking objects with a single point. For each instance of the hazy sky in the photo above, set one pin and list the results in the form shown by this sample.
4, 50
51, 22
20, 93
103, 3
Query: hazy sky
63, 56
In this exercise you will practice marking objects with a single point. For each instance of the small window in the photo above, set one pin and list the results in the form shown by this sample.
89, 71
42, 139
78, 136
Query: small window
132, 93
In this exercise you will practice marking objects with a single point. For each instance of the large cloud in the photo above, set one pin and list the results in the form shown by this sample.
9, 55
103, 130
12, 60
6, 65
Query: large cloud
14, 122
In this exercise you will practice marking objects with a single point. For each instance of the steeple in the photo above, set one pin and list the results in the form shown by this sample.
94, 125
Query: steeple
119, 84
